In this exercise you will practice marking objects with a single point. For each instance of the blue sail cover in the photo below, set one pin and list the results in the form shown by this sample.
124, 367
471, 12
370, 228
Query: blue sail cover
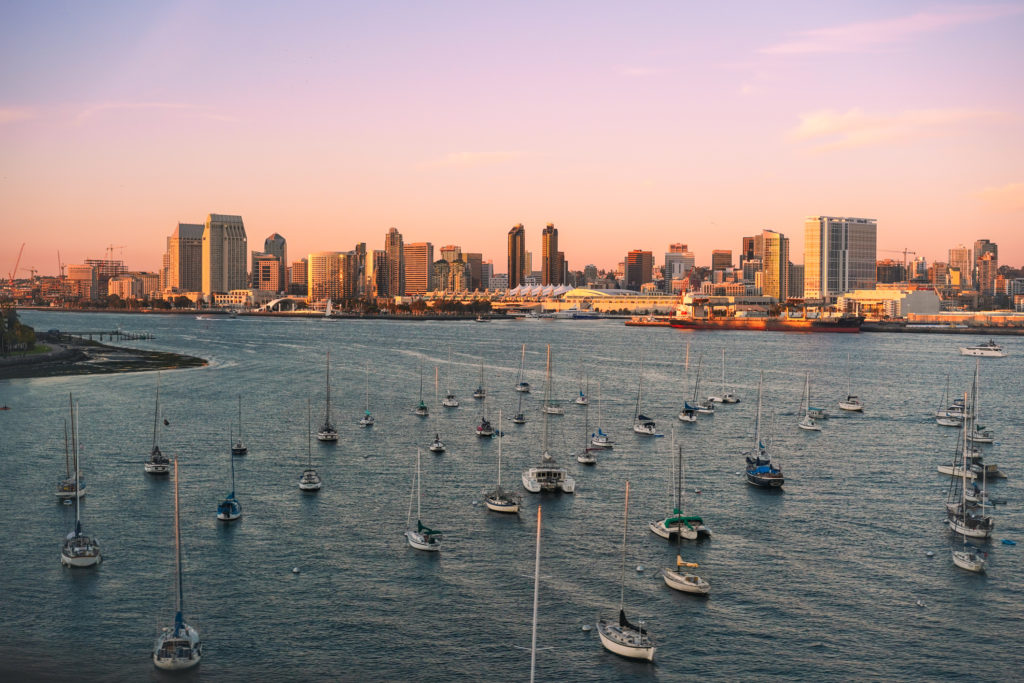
764, 469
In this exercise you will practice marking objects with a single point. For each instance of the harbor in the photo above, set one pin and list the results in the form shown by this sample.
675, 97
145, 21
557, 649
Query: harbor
781, 564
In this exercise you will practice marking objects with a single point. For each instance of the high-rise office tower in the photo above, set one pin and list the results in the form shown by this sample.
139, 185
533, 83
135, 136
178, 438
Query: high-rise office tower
224, 254
475, 263
348, 275
376, 274
324, 276
486, 273
82, 283
796, 281
439, 275
278, 246
516, 255
639, 268
776, 264
960, 259
458, 275
550, 272
395, 252
839, 255
419, 259
982, 247
678, 248
360, 266
298, 282
747, 252
185, 258
450, 252
678, 264
721, 259
266, 271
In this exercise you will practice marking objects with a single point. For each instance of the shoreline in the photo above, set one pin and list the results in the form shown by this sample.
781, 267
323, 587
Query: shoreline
84, 357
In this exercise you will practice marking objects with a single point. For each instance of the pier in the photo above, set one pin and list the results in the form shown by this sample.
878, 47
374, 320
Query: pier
101, 335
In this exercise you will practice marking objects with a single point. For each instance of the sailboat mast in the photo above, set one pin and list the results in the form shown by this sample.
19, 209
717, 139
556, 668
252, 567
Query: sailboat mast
74, 437
723, 372
309, 434
640, 387
625, 527
78, 496
67, 457
757, 423
547, 398
240, 414
499, 448
232, 474
156, 409
367, 385
536, 590
177, 553
418, 484
327, 414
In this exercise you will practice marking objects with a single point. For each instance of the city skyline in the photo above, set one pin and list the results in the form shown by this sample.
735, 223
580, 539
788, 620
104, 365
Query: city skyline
637, 128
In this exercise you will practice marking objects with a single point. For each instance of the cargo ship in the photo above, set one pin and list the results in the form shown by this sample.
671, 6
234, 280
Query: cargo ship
702, 312
845, 323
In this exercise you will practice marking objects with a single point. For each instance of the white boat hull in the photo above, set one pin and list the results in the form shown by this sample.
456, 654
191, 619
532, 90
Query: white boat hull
437, 447
80, 560
181, 658
537, 479
624, 649
969, 561
971, 532
417, 541
326, 436
956, 471
687, 583
851, 407
366, 422
502, 507
645, 430
554, 410
809, 425
982, 353
601, 442
156, 469
688, 417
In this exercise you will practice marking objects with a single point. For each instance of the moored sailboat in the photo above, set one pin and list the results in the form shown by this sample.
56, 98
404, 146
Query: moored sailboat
71, 486
178, 646
449, 400
619, 635
761, 470
238, 447
436, 446
600, 439
158, 463
422, 537
678, 523
641, 423
327, 431
79, 549
421, 409
522, 386
807, 423
309, 480
230, 509
547, 476
500, 500
367, 419
851, 403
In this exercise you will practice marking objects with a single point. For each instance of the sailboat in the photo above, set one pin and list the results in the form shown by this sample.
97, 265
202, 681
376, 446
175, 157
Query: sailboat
177, 647
547, 476
641, 423
230, 509
499, 499
158, 462
851, 402
964, 517
979, 434
704, 406
760, 470
309, 480
327, 432
421, 407
689, 411
677, 523
727, 395
79, 550
550, 407
449, 400
70, 486
599, 439
367, 419
808, 423
480, 392
588, 456
968, 557
238, 447
436, 446
421, 538
620, 636
679, 578
522, 386
583, 398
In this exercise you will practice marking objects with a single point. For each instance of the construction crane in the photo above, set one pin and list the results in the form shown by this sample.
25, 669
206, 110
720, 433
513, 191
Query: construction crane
10, 276
903, 251
32, 270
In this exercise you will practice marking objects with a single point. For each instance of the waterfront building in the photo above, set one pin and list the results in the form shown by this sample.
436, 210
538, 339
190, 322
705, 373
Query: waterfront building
679, 261
458, 276
498, 282
439, 275
298, 281
937, 273
839, 255
795, 288
376, 274
185, 258
747, 251
419, 261
486, 273
125, 287
324, 276
81, 282
394, 264
278, 246
919, 269
890, 302
550, 270
888, 270
988, 265
224, 252
266, 272
516, 255
639, 269
590, 273
960, 258
775, 248
105, 270
721, 259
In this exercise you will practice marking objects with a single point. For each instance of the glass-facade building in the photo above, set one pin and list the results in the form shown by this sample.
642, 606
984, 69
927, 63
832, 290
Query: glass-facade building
839, 255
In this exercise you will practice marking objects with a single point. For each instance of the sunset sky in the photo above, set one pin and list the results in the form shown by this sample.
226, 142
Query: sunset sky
627, 125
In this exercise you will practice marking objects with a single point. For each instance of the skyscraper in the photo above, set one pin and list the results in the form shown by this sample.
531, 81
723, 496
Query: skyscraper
960, 259
475, 262
516, 255
395, 263
550, 269
324, 276
776, 264
266, 271
747, 251
839, 255
419, 259
224, 254
376, 274
982, 247
721, 259
988, 264
185, 258
450, 252
278, 246
639, 268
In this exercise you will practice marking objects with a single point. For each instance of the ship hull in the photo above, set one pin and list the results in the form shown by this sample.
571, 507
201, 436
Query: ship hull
847, 324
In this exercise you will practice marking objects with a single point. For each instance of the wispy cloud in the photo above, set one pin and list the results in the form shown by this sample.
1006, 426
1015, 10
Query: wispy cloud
1009, 197
473, 159
200, 111
867, 35
638, 71
16, 114
854, 128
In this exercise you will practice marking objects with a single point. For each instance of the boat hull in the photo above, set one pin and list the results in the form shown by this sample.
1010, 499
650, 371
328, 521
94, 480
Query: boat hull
763, 482
156, 468
79, 561
846, 324
326, 436
502, 507
968, 561
185, 652
418, 542
686, 583
537, 479
617, 641
981, 353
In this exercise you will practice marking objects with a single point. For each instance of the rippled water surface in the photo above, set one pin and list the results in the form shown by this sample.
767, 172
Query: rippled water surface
819, 581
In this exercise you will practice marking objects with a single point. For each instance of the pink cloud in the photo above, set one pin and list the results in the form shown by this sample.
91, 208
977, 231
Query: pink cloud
855, 128
866, 35
1009, 197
